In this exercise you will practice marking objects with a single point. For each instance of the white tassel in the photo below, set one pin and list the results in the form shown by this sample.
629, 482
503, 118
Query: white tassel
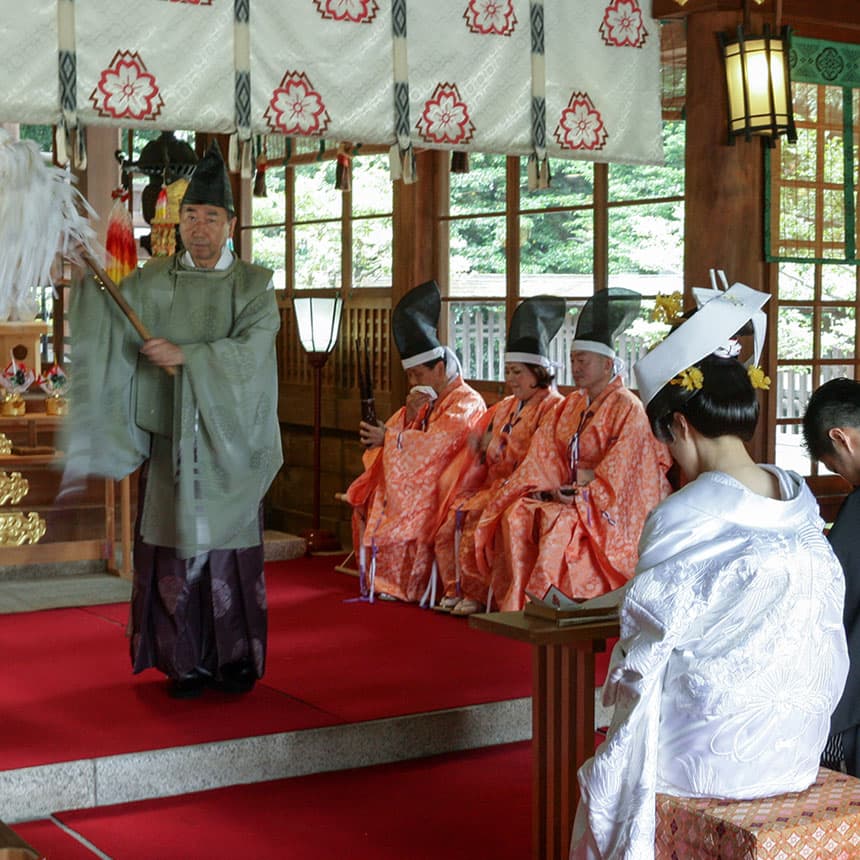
41, 215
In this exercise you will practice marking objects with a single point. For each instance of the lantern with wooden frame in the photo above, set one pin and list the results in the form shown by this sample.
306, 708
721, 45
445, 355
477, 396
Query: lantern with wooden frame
758, 85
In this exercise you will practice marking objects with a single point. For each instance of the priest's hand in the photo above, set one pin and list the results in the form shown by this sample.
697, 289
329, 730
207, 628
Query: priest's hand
371, 435
415, 402
162, 352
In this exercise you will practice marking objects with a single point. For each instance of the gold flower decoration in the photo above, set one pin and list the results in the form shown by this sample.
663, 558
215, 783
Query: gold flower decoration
667, 309
690, 379
758, 379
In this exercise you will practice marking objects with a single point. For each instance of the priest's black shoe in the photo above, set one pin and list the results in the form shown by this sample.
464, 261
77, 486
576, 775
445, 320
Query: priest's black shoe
237, 678
189, 687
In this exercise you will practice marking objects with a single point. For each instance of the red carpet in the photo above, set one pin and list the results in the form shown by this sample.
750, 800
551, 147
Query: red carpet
67, 692
466, 805
53, 841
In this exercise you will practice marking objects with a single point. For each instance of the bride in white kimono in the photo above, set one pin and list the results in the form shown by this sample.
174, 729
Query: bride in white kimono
732, 653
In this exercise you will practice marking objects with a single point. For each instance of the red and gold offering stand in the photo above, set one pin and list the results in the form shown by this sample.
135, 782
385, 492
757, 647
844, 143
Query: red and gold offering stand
823, 821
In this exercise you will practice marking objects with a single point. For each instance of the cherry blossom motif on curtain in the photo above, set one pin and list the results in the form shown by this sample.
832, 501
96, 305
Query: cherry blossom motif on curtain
491, 17
126, 90
356, 11
581, 125
622, 25
445, 117
296, 108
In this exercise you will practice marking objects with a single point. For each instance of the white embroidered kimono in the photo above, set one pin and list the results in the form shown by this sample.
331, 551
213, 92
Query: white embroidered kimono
731, 659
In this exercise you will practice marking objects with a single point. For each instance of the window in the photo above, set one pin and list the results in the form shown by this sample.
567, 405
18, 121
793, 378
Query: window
812, 239
593, 227
315, 236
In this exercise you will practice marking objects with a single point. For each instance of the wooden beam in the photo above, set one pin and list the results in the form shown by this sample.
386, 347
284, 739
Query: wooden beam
835, 20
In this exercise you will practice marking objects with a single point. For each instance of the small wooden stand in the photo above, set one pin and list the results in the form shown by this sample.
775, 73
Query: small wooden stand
562, 716
23, 340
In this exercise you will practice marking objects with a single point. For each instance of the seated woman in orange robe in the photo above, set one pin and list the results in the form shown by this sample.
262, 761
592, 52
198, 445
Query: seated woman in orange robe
396, 499
499, 445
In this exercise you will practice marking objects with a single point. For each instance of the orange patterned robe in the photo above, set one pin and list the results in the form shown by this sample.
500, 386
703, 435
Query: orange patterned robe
474, 484
587, 547
396, 499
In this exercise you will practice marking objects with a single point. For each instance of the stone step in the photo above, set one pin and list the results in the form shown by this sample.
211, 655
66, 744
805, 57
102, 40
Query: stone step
37, 792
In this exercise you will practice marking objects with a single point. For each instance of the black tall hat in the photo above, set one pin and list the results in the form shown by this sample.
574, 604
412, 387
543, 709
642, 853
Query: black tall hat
414, 322
603, 317
535, 323
210, 183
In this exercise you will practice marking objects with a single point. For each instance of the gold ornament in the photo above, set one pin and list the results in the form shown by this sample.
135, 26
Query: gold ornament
758, 379
668, 309
13, 488
18, 529
690, 379
13, 405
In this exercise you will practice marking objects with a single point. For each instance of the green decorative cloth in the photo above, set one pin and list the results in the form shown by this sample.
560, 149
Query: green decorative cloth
814, 61
211, 433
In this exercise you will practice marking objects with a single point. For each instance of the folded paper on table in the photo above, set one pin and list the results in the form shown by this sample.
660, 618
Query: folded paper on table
557, 606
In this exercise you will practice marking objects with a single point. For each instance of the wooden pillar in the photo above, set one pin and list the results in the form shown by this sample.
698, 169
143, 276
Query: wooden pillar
415, 246
724, 198
724, 183
102, 174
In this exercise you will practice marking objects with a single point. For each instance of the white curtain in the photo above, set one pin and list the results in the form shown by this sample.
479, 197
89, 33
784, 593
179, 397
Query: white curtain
567, 78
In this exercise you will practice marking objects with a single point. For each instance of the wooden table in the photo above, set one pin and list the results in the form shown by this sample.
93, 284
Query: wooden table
562, 716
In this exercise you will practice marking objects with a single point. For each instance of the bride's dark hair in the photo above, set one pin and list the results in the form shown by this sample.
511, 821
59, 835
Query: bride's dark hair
725, 405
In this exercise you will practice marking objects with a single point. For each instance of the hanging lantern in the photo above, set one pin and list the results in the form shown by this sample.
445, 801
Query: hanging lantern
758, 85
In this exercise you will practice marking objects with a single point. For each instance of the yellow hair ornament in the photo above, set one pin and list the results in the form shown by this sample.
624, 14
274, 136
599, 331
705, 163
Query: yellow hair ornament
758, 379
690, 379
667, 309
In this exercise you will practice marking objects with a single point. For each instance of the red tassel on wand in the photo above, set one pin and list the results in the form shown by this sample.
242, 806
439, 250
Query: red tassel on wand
120, 244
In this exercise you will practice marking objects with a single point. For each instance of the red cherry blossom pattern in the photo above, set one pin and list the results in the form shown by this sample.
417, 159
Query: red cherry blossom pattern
355, 11
623, 25
445, 117
126, 90
491, 17
581, 125
297, 108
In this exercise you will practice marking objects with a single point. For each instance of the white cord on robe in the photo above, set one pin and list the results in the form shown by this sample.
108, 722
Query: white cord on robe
430, 591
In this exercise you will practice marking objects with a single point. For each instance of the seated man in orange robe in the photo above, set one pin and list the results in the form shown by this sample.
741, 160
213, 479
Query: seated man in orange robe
396, 500
501, 441
572, 513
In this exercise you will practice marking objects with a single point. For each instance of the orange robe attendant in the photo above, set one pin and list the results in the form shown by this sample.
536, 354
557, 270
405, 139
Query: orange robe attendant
396, 500
476, 484
587, 547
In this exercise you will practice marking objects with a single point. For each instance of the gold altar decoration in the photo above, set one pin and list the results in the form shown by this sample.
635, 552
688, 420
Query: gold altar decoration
56, 405
16, 527
12, 405
13, 488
